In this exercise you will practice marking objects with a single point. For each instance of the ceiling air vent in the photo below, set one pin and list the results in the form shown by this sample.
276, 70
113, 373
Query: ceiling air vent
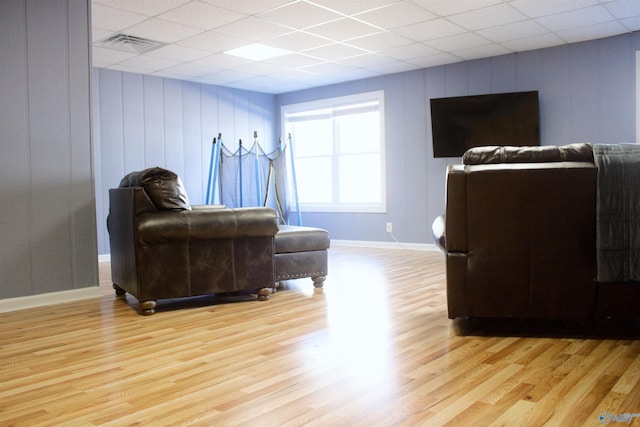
129, 43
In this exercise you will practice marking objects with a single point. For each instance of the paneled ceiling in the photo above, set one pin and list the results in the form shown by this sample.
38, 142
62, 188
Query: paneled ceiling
332, 41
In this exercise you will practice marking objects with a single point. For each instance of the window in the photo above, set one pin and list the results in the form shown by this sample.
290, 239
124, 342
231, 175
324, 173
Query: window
339, 152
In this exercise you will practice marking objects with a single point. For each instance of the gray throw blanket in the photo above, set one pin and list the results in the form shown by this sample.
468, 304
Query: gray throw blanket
618, 212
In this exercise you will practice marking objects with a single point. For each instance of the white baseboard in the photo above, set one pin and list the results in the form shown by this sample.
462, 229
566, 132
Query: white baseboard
104, 257
431, 247
40, 300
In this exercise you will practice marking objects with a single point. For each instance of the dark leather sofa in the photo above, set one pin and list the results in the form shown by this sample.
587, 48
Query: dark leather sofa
519, 235
162, 247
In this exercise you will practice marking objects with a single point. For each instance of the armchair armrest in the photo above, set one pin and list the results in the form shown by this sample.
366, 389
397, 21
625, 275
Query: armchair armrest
205, 224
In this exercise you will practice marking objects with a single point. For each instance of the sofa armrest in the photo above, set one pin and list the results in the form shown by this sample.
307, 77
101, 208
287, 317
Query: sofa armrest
456, 209
205, 224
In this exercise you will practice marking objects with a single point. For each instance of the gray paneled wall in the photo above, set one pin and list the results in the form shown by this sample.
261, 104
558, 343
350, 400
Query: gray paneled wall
47, 208
587, 94
145, 121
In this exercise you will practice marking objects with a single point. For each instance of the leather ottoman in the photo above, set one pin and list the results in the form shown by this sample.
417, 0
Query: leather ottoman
301, 252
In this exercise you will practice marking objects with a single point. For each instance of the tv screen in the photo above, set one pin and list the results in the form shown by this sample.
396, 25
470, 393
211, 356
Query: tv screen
462, 122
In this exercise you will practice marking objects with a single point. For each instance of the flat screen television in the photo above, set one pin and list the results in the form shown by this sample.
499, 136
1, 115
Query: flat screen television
461, 122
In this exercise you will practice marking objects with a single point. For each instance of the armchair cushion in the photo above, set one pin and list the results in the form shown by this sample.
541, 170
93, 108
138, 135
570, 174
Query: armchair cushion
163, 187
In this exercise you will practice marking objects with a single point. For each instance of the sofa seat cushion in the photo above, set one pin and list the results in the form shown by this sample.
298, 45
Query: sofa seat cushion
292, 238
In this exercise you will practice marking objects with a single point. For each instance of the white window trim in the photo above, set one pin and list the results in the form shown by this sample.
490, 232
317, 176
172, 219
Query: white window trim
333, 102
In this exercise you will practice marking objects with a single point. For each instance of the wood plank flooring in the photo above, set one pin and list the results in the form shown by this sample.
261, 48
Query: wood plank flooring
374, 348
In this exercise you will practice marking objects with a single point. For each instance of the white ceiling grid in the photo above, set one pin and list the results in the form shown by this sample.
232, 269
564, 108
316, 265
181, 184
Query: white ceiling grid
334, 41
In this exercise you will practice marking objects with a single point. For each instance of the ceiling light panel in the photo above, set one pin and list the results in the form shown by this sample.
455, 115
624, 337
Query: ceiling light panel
257, 52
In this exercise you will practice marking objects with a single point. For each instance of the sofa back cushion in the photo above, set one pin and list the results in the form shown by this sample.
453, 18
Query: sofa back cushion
579, 152
163, 187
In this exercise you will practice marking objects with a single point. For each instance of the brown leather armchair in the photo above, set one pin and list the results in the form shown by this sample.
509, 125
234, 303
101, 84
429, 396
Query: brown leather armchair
161, 247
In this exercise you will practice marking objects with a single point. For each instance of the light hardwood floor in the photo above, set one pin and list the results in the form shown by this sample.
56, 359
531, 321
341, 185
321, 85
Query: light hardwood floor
374, 348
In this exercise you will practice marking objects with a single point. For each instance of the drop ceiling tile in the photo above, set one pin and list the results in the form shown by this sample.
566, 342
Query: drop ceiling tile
576, 18
623, 8
191, 69
111, 19
201, 15
149, 63
343, 29
249, 7
536, 42
482, 52
98, 34
222, 61
110, 56
328, 68
396, 67
631, 24
294, 75
410, 51
143, 7
179, 53
353, 7
380, 41
253, 29
297, 41
449, 7
428, 30
333, 52
232, 75
299, 15
457, 42
434, 60
396, 15
260, 68
518, 30
294, 60
213, 41
367, 60
591, 32
163, 31
491, 16
538, 8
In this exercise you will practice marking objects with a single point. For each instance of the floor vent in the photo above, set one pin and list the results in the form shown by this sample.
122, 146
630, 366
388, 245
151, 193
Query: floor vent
127, 43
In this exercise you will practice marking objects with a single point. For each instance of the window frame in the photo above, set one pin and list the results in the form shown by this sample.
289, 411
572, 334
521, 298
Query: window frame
336, 103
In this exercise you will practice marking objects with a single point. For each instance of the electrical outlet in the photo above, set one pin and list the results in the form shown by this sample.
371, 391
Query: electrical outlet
389, 227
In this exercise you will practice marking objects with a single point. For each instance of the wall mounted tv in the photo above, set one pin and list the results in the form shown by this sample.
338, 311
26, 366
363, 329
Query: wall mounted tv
459, 123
